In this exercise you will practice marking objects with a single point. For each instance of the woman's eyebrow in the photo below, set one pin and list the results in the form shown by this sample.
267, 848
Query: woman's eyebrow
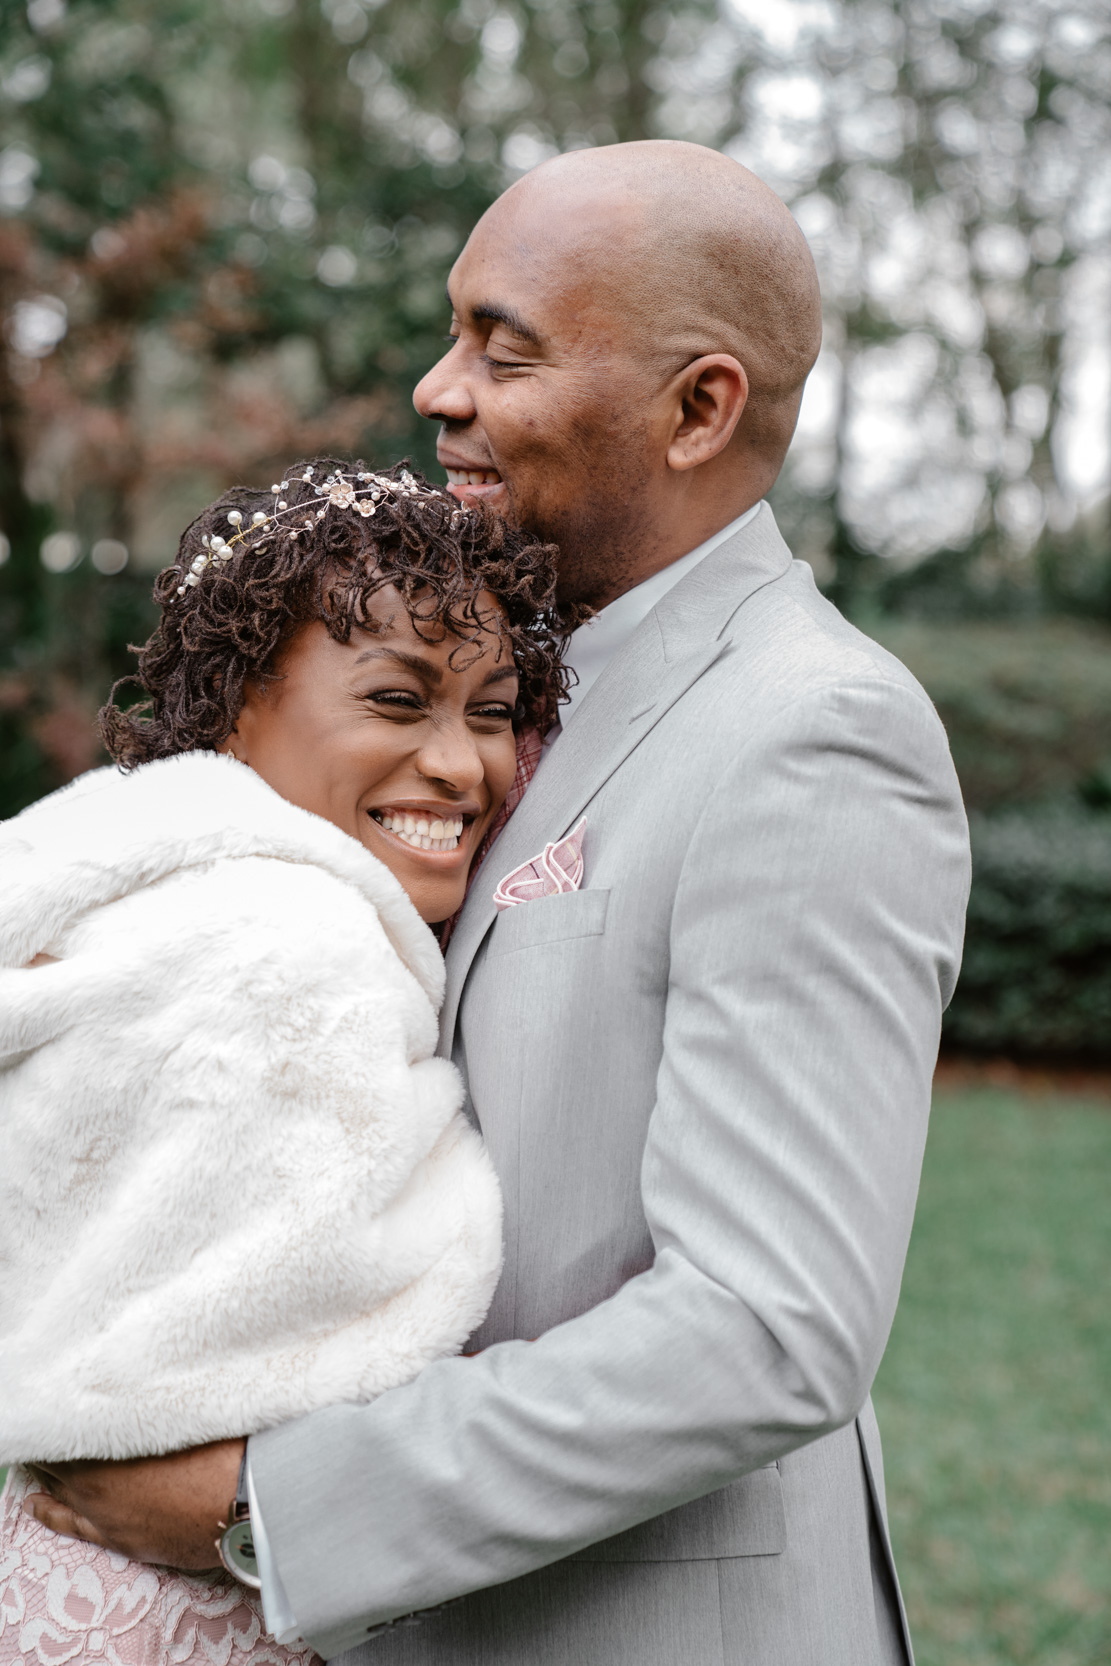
424, 668
500, 674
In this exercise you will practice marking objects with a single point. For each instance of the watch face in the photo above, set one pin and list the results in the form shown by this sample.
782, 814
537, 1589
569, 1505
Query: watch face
237, 1552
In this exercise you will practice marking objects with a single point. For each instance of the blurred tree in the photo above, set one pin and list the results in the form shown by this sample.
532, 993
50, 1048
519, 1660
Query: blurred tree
945, 157
228, 225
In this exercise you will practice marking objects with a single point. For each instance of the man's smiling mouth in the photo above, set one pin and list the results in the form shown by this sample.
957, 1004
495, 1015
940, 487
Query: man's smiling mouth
473, 477
473, 483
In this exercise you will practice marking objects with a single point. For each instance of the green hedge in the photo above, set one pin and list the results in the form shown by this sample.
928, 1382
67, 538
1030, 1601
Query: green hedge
1036, 978
1027, 705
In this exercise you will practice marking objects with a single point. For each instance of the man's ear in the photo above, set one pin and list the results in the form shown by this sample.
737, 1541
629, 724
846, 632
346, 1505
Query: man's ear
711, 394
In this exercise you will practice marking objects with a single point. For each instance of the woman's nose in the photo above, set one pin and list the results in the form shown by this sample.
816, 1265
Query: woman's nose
443, 395
450, 755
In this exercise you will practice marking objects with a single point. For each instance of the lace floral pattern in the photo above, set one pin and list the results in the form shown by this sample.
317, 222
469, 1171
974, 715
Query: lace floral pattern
64, 1602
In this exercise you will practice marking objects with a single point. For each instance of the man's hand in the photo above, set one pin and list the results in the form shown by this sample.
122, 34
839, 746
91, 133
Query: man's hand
166, 1510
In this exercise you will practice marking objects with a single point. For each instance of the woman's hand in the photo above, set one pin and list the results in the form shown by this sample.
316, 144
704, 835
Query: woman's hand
168, 1510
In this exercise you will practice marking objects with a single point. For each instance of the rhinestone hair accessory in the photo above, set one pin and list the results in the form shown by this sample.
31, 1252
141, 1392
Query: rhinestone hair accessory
362, 492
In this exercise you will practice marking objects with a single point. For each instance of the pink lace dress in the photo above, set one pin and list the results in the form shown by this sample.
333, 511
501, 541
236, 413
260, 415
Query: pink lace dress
63, 1602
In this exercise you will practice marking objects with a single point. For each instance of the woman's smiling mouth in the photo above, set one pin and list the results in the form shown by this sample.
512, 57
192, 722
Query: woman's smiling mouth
421, 829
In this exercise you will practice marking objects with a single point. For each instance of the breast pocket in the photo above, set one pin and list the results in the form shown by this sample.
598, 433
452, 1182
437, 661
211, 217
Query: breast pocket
550, 920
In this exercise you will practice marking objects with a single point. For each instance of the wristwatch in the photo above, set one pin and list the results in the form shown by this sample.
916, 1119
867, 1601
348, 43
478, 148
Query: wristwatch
236, 1547
236, 1544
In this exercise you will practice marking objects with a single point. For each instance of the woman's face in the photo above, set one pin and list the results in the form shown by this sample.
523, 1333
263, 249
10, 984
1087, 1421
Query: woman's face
383, 737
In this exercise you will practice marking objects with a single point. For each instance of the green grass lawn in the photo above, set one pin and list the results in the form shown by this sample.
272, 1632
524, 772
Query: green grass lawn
995, 1393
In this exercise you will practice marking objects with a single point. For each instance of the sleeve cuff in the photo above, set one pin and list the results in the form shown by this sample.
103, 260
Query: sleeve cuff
276, 1611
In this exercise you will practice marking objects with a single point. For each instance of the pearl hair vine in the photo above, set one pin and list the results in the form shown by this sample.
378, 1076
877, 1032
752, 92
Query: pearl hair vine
361, 492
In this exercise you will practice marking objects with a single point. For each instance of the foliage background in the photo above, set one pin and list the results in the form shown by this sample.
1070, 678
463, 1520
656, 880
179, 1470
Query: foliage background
224, 233
225, 229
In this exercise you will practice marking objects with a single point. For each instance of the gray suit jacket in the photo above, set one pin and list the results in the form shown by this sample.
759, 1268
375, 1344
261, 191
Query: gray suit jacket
704, 1080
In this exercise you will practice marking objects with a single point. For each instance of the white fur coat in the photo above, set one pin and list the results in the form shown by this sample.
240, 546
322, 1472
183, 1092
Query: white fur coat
235, 1184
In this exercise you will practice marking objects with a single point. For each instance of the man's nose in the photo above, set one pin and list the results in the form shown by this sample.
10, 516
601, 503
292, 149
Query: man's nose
443, 395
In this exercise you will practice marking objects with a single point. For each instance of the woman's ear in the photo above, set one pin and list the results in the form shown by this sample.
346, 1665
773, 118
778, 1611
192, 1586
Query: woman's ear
712, 393
234, 747
251, 711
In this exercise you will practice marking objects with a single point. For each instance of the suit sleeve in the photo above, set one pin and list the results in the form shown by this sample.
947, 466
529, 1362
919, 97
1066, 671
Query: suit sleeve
815, 939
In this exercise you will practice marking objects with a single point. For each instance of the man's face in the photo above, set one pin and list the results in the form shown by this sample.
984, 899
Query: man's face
546, 408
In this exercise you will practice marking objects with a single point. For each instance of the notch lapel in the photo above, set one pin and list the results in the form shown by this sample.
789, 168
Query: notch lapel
678, 641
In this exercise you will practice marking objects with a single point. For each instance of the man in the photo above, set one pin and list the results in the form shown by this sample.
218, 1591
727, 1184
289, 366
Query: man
703, 1077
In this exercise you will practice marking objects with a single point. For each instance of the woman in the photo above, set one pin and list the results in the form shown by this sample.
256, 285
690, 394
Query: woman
237, 1184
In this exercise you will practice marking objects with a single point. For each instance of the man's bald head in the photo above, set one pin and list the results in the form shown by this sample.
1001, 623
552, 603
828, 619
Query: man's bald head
633, 326
689, 253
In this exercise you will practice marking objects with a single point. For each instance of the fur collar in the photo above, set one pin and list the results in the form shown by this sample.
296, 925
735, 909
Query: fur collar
178, 813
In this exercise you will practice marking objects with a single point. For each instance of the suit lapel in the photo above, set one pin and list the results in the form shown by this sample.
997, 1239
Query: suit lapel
678, 641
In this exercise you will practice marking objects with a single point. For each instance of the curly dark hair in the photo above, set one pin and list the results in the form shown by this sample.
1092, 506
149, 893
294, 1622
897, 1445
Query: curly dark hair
226, 627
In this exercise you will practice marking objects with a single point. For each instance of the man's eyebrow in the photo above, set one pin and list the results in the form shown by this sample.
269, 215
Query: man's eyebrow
425, 668
494, 313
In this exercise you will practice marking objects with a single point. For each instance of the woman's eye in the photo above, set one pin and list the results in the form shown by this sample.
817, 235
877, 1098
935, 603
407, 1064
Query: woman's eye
498, 712
399, 699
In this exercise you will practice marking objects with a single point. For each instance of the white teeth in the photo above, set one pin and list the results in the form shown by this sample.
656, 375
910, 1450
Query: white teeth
423, 833
473, 477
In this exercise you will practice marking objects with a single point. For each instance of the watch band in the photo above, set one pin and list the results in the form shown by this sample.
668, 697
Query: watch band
236, 1544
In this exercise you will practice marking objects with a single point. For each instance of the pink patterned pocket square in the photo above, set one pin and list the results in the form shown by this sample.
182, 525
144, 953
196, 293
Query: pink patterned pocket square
559, 868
